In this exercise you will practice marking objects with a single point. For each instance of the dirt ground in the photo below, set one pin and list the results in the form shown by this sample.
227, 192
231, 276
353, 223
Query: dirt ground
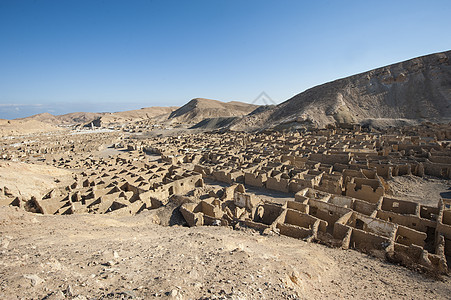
103, 257
29, 180
106, 257
425, 190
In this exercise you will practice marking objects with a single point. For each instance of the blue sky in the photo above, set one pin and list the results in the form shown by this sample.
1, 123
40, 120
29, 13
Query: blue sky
64, 56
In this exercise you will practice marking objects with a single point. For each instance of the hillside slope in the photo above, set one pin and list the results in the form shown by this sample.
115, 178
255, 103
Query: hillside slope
25, 127
106, 118
137, 115
199, 109
418, 89
66, 119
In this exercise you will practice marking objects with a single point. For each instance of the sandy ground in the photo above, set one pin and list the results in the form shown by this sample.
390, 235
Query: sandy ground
102, 257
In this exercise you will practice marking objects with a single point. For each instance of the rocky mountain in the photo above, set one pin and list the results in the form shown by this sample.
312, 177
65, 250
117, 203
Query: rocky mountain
199, 109
415, 90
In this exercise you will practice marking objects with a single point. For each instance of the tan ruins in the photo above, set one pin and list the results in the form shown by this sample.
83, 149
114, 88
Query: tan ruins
335, 182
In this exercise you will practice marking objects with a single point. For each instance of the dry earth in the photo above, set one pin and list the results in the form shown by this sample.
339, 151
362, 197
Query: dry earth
427, 190
24, 127
30, 180
102, 257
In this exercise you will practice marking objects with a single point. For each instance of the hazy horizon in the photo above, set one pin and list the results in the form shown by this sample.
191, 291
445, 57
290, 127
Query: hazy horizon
70, 56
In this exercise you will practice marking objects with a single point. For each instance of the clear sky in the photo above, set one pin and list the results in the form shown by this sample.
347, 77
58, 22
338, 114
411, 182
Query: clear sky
63, 56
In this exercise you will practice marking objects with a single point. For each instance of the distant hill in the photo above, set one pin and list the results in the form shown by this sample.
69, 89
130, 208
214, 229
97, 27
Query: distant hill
415, 90
106, 118
199, 109
137, 115
408, 92
66, 119
24, 127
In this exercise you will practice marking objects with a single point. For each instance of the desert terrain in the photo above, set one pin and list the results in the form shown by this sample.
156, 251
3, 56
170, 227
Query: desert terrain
330, 194
104, 257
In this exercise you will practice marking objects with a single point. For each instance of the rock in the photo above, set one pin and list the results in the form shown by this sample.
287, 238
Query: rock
174, 294
7, 192
122, 295
35, 279
5, 243
110, 263
58, 295
69, 291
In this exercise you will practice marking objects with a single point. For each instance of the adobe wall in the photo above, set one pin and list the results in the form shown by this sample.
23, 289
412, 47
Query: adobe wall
331, 159
410, 221
437, 169
280, 184
408, 236
400, 206
367, 242
365, 192
253, 179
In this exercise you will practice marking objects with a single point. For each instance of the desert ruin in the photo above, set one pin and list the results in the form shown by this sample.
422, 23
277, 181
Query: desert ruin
333, 185
308, 199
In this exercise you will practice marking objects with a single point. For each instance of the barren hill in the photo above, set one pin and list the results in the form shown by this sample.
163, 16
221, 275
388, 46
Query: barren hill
78, 117
138, 114
66, 119
43, 117
199, 109
106, 118
418, 89
24, 127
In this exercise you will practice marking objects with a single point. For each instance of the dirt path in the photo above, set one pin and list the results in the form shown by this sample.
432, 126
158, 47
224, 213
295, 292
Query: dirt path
97, 256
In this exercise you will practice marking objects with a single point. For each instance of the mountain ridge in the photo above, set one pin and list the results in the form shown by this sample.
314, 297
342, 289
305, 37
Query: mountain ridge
413, 90
199, 109
418, 89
